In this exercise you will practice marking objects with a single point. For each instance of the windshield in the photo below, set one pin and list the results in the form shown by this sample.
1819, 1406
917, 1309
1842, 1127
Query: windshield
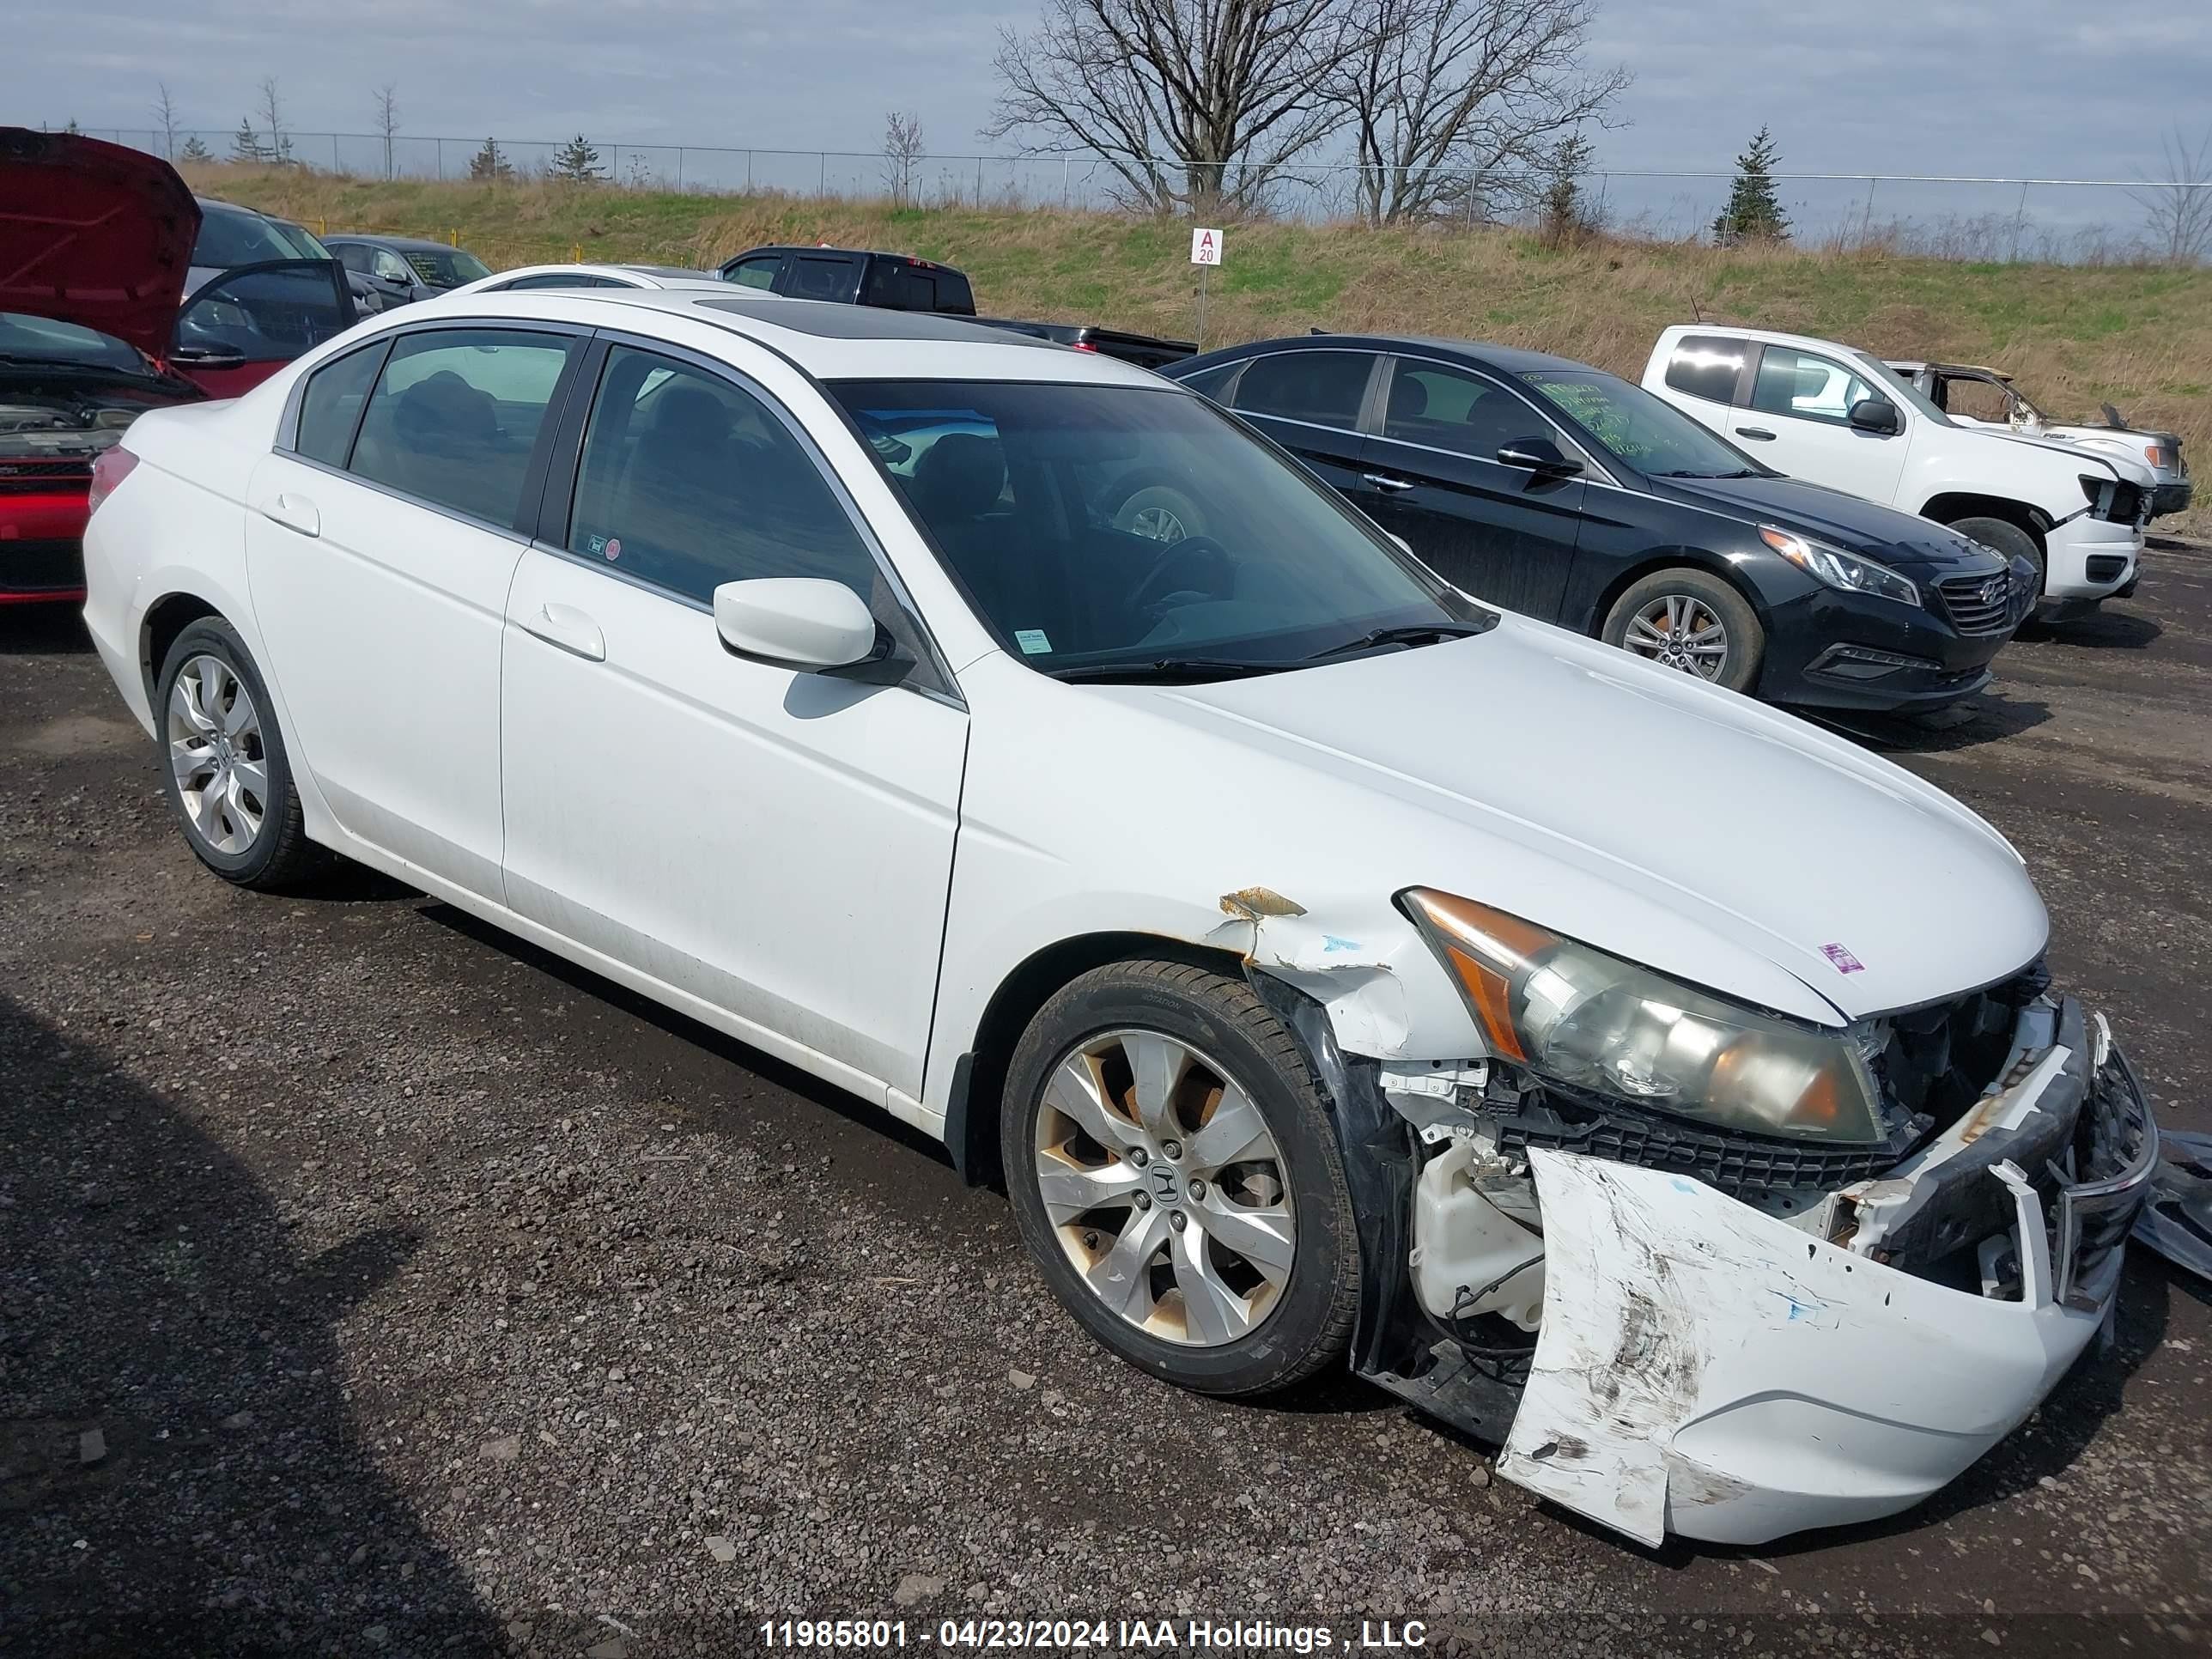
1096, 526
45, 340
447, 267
1902, 389
1637, 429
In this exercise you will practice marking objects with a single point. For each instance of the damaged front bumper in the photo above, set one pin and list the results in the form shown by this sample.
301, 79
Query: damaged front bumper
1734, 1372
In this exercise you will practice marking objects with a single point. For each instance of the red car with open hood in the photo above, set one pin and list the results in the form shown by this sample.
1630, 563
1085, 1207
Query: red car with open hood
94, 242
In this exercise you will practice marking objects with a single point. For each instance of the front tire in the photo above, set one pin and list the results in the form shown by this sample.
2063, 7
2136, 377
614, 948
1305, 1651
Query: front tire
1172, 1169
223, 763
2000, 536
1689, 621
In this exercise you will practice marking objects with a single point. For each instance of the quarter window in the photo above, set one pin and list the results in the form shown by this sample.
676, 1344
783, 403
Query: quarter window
1808, 388
455, 415
688, 481
1322, 388
1708, 366
330, 407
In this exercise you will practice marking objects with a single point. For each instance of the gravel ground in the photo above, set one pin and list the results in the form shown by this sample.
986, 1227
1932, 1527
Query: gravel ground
372, 1284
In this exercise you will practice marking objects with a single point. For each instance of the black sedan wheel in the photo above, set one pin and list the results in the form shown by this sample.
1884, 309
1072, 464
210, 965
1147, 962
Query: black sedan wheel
1689, 621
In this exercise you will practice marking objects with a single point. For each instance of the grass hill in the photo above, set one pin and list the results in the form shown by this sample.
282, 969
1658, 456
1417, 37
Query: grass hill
2077, 335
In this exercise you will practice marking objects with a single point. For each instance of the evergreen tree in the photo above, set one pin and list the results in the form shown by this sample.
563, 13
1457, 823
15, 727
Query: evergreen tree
1754, 213
490, 164
72, 126
1568, 215
195, 151
577, 162
246, 145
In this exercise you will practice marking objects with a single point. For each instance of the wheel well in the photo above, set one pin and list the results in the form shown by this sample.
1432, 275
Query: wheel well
166, 618
1949, 509
972, 1123
1669, 559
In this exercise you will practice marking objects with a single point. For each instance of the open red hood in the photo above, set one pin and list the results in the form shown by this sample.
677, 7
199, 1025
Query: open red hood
94, 233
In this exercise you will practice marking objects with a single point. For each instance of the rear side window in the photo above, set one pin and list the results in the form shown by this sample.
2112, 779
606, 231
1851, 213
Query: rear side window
1323, 388
817, 278
455, 415
1453, 410
900, 288
1707, 367
1211, 382
688, 481
330, 407
352, 255
552, 279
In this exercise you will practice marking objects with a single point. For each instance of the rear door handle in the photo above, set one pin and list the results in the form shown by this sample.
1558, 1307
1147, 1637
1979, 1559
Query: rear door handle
1382, 481
295, 513
570, 629
1758, 432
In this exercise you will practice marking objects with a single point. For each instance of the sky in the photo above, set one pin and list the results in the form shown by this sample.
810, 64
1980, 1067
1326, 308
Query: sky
2051, 88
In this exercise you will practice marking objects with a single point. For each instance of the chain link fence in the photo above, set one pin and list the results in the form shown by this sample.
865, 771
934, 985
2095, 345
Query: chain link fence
1994, 219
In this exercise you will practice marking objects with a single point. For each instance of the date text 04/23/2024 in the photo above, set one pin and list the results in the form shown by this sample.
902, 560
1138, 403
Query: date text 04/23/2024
1096, 1635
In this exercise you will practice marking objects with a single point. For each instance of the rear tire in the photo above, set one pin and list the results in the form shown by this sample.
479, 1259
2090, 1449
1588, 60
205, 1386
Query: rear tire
223, 762
1173, 1171
1670, 618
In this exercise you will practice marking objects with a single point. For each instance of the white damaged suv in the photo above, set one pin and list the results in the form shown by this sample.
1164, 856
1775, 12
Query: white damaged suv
1833, 414
1291, 933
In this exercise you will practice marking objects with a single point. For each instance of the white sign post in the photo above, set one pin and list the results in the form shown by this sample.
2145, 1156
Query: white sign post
1205, 254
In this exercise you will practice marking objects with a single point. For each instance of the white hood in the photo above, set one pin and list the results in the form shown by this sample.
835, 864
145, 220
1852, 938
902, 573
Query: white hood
1653, 815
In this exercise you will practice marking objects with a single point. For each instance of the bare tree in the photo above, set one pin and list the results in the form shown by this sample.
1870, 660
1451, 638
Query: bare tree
1172, 93
387, 119
903, 153
278, 148
1456, 105
165, 111
2178, 211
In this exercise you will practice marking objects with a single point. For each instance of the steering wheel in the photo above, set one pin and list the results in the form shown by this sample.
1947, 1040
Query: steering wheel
1154, 589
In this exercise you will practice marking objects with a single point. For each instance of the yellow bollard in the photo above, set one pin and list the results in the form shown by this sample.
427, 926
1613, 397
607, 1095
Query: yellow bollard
575, 253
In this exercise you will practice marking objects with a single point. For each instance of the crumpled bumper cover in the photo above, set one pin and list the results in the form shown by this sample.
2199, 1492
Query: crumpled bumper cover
1707, 1369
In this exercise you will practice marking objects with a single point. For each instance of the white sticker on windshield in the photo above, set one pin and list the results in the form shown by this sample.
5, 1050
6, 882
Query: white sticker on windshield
1032, 641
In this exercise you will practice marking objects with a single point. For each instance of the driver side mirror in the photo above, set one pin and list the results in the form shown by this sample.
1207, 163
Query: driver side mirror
1539, 456
1879, 416
798, 621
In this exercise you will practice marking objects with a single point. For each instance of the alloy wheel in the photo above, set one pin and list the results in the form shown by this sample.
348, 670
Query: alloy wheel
1160, 523
217, 757
1165, 1187
1680, 631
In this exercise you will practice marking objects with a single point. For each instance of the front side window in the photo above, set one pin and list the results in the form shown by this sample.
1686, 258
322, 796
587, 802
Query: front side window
393, 269
1707, 366
689, 481
331, 403
1102, 529
1628, 424
1807, 387
455, 415
758, 273
1451, 409
1322, 388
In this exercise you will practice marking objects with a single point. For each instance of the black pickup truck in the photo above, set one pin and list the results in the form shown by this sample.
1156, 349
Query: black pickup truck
899, 282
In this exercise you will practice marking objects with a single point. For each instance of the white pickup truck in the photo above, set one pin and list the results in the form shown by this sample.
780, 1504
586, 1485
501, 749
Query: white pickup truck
1836, 415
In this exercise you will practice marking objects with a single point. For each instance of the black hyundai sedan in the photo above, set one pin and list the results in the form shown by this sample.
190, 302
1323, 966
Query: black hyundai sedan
1561, 491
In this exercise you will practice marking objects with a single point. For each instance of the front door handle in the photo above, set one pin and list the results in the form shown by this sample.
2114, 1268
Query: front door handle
1383, 481
570, 629
1758, 432
295, 512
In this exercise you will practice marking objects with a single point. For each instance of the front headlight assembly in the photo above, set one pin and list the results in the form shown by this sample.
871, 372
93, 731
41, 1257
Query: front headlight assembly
1838, 569
1593, 1022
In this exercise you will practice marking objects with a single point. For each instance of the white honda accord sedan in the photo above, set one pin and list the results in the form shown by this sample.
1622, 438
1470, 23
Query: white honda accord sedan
1331, 966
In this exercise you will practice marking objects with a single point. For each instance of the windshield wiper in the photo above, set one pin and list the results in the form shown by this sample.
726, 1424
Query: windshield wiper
1407, 634
1170, 668
1684, 473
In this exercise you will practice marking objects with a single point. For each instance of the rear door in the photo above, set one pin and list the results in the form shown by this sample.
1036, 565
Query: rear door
247, 323
1504, 534
382, 540
1310, 401
1798, 422
1710, 375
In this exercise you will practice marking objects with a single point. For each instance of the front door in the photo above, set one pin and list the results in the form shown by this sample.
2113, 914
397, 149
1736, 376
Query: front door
247, 323
1799, 423
1504, 534
777, 844
379, 549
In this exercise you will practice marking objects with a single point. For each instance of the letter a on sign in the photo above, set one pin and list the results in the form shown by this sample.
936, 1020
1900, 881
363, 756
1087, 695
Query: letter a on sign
1205, 247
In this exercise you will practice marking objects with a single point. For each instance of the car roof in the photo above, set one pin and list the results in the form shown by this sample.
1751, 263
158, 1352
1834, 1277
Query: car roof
1770, 335
1504, 360
826, 340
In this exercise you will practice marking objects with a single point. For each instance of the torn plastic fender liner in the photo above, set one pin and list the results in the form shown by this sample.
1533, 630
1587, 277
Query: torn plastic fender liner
1706, 1369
